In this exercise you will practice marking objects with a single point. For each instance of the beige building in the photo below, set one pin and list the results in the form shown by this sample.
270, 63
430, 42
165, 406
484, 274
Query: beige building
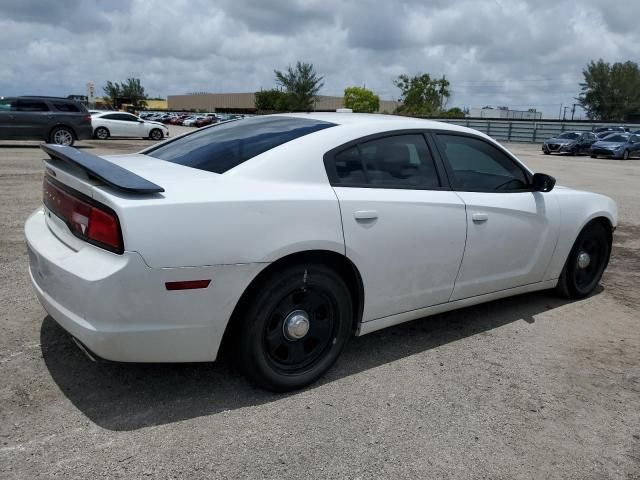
245, 103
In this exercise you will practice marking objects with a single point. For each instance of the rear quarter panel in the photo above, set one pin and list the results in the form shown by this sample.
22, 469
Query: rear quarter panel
233, 222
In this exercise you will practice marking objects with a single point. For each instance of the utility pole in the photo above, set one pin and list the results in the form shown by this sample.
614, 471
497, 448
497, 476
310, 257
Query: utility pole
560, 112
573, 110
564, 115
444, 79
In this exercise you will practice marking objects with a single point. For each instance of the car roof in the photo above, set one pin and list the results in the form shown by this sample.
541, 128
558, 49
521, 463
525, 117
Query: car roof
375, 119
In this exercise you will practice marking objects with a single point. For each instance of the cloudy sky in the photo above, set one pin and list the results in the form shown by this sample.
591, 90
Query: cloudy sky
518, 53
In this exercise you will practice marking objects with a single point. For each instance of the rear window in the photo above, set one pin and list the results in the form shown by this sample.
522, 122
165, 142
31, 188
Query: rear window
227, 145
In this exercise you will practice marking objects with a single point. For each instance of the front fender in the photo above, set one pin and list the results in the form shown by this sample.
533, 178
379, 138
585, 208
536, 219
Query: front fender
577, 209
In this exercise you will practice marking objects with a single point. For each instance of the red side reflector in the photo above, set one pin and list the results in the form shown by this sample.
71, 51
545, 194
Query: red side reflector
187, 285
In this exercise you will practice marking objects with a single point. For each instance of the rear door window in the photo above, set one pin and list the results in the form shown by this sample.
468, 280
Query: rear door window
221, 147
25, 105
398, 161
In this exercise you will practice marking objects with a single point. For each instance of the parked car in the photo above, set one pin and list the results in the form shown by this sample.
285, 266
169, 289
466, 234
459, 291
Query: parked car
208, 120
191, 121
285, 234
51, 119
120, 124
571, 143
619, 146
602, 132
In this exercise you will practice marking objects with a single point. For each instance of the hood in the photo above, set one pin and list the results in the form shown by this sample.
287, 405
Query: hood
560, 141
155, 123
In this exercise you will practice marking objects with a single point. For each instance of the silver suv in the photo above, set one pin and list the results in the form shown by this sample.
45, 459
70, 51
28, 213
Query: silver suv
52, 119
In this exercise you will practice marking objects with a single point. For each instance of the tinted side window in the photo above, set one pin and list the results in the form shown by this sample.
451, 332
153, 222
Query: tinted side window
349, 167
476, 165
399, 161
65, 107
32, 106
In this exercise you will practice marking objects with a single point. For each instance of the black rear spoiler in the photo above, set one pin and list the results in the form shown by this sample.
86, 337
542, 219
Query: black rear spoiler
111, 174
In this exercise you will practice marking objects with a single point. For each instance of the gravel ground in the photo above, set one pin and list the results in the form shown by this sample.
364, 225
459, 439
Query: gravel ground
527, 387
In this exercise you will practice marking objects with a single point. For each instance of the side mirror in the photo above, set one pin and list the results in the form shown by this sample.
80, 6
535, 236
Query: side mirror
542, 182
140, 121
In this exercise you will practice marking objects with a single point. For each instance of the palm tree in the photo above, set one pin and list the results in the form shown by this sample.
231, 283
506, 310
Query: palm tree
302, 85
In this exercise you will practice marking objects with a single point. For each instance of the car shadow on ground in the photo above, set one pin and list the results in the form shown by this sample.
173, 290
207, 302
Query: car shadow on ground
120, 396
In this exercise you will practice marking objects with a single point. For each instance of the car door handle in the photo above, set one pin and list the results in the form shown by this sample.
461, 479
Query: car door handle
479, 217
365, 215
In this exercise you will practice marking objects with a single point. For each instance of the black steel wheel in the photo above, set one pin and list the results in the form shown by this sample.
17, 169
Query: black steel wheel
586, 263
295, 328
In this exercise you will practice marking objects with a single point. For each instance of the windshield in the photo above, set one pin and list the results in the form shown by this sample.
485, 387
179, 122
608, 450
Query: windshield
616, 138
226, 145
569, 135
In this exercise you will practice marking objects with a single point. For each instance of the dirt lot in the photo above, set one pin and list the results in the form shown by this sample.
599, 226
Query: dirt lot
527, 387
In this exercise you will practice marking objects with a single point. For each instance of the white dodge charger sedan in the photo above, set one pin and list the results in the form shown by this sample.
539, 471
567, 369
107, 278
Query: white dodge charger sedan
283, 235
122, 124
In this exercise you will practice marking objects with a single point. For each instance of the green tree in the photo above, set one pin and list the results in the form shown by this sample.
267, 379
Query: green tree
422, 95
130, 91
302, 85
454, 112
610, 92
112, 91
360, 99
133, 91
273, 100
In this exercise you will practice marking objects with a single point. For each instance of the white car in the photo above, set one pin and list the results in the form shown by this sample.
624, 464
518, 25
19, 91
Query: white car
190, 121
285, 234
122, 124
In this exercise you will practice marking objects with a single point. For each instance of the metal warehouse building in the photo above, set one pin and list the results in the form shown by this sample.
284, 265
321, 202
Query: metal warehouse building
245, 103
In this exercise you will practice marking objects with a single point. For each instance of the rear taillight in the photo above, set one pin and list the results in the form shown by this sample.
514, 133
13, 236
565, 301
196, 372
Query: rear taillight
87, 119
85, 218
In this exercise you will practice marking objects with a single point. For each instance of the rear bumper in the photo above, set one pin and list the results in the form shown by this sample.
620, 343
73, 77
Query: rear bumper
119, 308
83, 132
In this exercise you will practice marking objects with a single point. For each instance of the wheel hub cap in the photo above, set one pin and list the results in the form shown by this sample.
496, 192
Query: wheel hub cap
296, 325
583, 260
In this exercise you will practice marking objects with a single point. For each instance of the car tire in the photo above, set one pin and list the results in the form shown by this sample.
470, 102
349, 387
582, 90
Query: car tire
594, 156
101, 133
274, 350
581, 275
62, 136
156, 134
546, 152
625, 155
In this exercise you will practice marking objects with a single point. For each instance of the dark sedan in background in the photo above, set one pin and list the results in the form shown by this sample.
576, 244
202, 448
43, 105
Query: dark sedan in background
570, 143
619, 146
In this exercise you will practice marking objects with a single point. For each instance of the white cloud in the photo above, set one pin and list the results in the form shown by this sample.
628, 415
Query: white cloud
518, 53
